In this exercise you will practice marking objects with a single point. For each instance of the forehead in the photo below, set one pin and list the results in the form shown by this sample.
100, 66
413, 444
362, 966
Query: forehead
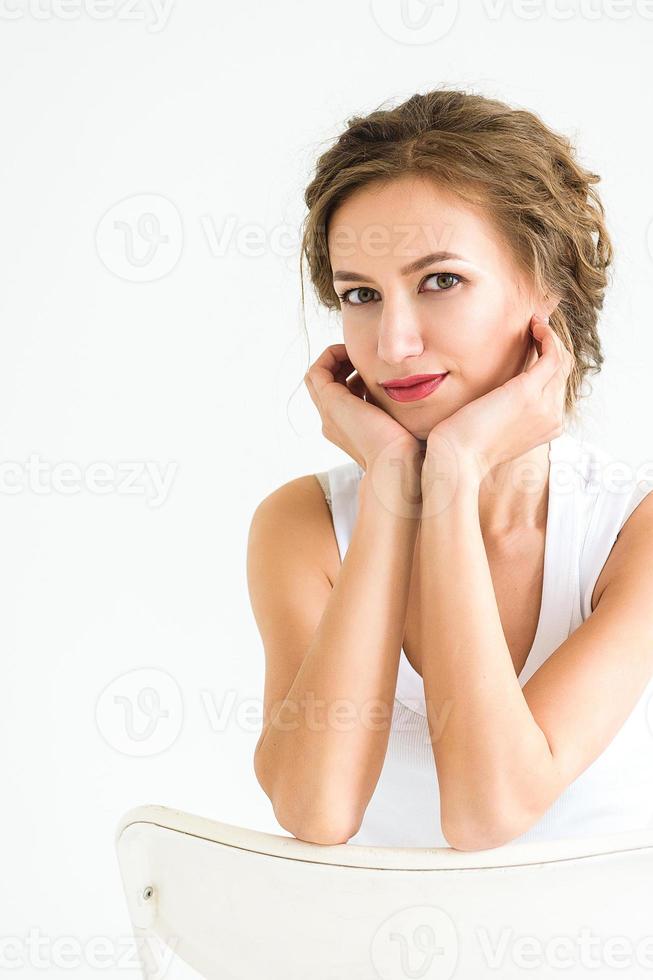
407, 217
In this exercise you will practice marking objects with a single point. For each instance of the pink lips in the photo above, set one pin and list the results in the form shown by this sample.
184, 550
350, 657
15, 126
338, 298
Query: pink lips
413, 379
414, 392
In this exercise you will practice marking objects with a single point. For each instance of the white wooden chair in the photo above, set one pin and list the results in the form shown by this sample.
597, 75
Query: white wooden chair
229, 903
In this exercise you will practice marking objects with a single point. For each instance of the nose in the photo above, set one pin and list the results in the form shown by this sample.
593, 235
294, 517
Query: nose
400, 330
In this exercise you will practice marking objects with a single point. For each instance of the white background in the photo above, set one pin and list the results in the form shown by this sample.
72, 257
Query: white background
190, 360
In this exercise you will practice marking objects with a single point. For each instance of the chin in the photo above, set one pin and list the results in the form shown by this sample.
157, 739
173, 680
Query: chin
420, 434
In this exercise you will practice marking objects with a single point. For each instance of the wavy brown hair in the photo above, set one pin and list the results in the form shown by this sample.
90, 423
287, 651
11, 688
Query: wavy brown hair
524, 175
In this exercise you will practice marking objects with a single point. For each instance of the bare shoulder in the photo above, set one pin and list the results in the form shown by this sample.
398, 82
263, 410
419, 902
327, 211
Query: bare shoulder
292, 559
632, 550
298, 515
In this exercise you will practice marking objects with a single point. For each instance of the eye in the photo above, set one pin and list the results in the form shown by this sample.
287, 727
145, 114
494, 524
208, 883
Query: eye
364, 292
443, 275
344, 297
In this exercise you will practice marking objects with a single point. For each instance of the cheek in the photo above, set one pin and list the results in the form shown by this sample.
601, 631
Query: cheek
471, 341
360, 351
491, 322
485, 347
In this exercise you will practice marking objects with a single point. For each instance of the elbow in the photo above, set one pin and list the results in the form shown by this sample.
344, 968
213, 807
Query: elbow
470, 835
473, 838
324, 834
469, 825
311, 823
315, 829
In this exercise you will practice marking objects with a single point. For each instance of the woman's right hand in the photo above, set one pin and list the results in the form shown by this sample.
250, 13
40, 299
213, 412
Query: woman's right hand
360, 428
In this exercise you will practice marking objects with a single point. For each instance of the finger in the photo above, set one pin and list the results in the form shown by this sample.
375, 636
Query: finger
532, 354
329, 366
555, 387
557, 341
338, 362
566, 357
550, 360
558, 383
332, 357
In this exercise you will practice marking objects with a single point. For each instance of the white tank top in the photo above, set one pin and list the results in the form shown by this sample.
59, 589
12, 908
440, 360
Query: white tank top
591, 496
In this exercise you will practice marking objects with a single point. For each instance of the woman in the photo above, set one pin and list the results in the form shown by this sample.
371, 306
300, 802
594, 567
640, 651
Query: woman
457, 627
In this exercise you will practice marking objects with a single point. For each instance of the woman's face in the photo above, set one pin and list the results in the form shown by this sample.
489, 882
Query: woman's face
469, 316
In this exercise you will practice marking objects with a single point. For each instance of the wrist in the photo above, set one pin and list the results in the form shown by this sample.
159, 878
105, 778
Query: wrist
395, 488
448, 460
448, 475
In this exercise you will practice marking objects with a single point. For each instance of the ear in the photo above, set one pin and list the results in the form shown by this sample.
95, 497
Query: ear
549, 303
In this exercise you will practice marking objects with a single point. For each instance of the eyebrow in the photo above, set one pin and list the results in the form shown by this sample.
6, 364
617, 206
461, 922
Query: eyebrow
407, 269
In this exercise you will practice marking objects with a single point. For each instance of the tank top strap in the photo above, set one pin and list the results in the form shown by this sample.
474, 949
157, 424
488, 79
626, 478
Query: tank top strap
613, 489
563, 535
343, 485
323, 480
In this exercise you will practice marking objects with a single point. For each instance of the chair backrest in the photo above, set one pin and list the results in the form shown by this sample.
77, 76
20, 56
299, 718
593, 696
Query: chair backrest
235, 903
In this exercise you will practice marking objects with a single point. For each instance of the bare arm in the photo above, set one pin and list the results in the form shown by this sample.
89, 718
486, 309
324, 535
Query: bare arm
505, 753
490, 754
320, 754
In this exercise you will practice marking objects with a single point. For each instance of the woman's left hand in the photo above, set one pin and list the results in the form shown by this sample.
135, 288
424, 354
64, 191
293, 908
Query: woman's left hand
525, 412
